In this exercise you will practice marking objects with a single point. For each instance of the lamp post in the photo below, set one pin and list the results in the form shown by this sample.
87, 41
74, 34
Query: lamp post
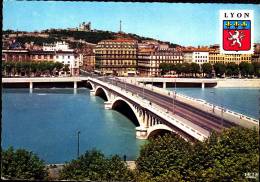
78, 143
125, 84
143, 88
174, 95
152, 82
221, 114
213, 107
213, 110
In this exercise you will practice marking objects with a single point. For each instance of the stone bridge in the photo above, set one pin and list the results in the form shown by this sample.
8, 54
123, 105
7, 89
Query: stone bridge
150, 119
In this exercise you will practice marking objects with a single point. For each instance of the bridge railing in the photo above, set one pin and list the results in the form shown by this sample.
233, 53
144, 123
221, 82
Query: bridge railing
233, 116
222, 112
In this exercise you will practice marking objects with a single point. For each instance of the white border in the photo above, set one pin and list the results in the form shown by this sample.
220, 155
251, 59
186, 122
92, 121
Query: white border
221, 18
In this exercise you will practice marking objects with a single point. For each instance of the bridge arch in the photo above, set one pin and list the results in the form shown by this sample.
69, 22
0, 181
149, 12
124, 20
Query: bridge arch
90, 85
127, 109
101, 92
159, 129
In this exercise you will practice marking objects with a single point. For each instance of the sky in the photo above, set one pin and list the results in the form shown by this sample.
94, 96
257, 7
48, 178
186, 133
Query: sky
184, 24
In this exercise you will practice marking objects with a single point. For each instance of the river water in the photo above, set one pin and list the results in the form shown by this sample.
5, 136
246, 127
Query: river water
242, 100
47, 120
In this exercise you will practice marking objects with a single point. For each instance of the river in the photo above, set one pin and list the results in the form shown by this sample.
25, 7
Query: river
47, 120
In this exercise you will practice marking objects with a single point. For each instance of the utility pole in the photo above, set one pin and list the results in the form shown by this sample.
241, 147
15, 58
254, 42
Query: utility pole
174, 95
78, 143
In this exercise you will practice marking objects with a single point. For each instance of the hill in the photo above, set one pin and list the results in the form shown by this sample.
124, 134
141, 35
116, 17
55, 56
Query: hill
54, 35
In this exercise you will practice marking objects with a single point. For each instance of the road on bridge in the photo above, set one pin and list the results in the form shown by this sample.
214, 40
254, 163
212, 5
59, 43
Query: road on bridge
201, 118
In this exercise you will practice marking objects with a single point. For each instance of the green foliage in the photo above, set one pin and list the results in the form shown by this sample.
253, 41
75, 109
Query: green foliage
232, 69
194, 68
206, 68
256, 66
246, 69
21, 164
222, 157
93, 165
220, 69
163, 154
37, 40
28, 68
186, 68
225, 157
165, 67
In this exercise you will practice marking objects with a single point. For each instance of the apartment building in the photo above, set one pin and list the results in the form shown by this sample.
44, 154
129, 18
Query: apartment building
117, 57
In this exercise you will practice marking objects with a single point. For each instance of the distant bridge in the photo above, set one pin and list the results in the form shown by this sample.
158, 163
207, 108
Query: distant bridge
166, 82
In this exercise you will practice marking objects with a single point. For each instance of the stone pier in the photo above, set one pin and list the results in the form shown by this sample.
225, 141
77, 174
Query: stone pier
141, 132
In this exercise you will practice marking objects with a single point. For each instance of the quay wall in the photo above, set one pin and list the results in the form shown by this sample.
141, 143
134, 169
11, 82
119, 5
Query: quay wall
244, 83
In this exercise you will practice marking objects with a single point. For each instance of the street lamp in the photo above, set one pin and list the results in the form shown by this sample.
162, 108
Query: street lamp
125, 83
213, 106
78, 143
174, 95
221, 114
213, 110
152, 82
143, 88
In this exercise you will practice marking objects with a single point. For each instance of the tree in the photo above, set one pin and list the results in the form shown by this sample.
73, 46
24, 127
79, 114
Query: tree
206, 68
34, 68
246, 69
165, 67
93, 165
178, 68
220, 69
232, 69
256, 66
66, 68
58, 66
225, 157
185, 68
166, 153
194, 68
22, 164
18, 67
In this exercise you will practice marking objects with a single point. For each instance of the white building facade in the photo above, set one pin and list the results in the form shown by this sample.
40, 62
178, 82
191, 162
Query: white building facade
65, 56
200, 57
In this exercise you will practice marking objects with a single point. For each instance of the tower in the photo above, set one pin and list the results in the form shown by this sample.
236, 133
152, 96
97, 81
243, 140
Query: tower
120, 28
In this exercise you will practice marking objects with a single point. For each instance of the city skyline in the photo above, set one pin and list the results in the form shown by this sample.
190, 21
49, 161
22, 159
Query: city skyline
144, 19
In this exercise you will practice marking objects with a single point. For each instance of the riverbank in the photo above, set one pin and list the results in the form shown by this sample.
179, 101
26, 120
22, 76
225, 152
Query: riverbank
55, 169
237, 83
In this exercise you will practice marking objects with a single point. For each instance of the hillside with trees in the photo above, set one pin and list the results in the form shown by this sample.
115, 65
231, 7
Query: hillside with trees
91, 37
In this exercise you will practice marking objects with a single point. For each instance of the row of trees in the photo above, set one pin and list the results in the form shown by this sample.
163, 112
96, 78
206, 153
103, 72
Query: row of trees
230, 69
228, 156
27, 68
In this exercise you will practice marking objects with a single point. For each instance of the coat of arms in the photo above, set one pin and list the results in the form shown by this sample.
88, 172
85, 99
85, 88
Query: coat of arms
237, 35
236, 31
